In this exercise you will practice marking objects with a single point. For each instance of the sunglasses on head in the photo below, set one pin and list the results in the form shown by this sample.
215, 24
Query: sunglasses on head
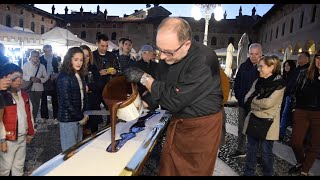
134, 129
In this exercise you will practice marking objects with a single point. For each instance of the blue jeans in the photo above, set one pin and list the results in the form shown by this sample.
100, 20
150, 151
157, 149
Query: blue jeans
286, 116
251, 158
70, 134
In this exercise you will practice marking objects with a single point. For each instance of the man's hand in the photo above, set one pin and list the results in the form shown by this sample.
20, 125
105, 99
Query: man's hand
54, 76
103, 72
4, 147
84, 120
35, 80
5, 83
133, 74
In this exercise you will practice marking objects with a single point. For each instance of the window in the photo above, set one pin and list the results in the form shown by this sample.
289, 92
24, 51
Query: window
301, 19
42, 29
51, 21
98, 25
83, 35
42, 18
8, 20
98, 33
291, 25
32, 26
196, 37
8, 8
283, 28
314, 10
83, 25
21, 23
271, 34
231, 40
114, 36
21, 11
213, 41
114, 26
33, 15
277, 31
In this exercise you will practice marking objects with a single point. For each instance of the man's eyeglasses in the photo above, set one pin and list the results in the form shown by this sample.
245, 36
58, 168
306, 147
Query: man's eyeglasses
134, 129
167, 53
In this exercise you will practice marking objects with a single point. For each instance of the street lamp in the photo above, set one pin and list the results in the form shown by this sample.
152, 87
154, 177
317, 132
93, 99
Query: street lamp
218, 15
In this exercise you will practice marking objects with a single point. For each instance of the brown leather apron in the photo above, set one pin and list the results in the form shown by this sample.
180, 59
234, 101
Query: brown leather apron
191, 146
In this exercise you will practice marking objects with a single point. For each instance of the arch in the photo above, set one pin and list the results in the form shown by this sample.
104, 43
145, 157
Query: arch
8, 20
21, 23
196, 37
83, 35
42, 29
114, 36
32, 26
310, 46
231, 40
213, 41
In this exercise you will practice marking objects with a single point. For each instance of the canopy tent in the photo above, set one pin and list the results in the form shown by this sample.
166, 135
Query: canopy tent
63, 37
19, 38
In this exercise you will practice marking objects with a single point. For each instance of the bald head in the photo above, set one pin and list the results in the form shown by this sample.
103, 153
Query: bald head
178, 26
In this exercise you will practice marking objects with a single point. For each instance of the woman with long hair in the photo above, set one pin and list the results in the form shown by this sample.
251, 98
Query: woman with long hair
93, 91
306, 118
71, 90
288, 74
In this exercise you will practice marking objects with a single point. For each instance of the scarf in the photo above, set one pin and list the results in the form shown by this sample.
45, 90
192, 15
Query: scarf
265, 87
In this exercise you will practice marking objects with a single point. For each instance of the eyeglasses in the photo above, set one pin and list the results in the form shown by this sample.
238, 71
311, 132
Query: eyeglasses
134, 129
167, 53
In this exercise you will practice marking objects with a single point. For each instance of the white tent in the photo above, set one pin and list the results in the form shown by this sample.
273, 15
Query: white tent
223, 52
63, 37
15, 37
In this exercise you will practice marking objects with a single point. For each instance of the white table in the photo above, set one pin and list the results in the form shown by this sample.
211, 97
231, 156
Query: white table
92, 159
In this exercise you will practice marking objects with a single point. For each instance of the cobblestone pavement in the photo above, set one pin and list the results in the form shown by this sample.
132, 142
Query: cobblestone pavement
46, 145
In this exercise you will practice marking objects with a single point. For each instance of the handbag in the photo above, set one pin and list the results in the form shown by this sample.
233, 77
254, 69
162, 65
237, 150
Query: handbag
258, 127
27, 85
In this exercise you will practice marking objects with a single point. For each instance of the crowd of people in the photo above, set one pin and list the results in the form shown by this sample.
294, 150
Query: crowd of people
187, 81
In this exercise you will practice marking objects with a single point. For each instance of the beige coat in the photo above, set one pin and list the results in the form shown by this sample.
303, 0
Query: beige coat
266, 108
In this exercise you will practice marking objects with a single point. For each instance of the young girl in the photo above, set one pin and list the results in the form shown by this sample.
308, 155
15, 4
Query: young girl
71, 89
17, 126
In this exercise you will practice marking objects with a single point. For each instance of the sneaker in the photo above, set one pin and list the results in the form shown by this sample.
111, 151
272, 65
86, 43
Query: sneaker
294, 169
238, 154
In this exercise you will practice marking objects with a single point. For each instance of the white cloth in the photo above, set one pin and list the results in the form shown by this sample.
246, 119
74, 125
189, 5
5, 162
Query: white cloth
29, 70
81, 88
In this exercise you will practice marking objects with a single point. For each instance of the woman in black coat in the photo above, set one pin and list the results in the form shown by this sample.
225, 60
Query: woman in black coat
71, 90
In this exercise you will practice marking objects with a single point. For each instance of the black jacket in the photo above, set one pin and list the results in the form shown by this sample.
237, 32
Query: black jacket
245, 77
55, 63
69, 98
193, 86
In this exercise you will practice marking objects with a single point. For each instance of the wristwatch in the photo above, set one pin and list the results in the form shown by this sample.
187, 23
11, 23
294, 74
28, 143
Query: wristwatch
144, 79
3, 140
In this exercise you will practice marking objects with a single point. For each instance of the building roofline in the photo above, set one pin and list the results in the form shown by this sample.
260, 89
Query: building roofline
40, 11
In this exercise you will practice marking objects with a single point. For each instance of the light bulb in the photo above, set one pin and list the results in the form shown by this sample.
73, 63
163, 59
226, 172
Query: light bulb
196, 13
218, 13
